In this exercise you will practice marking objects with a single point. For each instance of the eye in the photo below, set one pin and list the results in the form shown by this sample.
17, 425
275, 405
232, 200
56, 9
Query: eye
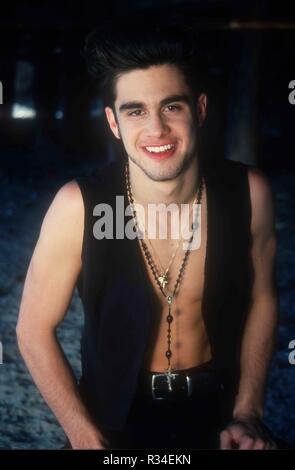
136, 112
173, 107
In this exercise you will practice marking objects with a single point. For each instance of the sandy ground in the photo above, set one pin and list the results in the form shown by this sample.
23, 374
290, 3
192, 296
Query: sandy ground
26, 421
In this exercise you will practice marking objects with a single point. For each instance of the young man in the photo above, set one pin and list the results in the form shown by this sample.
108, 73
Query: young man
177, 342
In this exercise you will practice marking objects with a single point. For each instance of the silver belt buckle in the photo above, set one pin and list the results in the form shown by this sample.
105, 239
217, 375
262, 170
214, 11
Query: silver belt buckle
154, 377
166, 380
189, 385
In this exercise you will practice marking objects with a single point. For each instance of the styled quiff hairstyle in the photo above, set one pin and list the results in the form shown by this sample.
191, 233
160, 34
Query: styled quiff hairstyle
115, 49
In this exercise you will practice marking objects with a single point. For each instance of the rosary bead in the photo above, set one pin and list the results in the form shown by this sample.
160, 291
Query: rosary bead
161, 279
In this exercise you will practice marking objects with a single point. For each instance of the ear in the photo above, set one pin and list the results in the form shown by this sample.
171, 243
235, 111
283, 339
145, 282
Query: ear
112, 122
202, 108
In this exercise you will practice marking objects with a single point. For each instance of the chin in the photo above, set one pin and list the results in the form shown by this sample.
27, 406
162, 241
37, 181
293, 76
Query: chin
163, 174
162, 171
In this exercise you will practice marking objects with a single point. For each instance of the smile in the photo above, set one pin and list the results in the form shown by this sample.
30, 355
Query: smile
160, 148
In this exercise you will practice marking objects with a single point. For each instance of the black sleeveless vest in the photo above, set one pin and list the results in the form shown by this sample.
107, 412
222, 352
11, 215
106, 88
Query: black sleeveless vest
116, 295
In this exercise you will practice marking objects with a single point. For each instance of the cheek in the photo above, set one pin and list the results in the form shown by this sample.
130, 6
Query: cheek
130, 138
183, 125
130, 129
186, 131
133, 134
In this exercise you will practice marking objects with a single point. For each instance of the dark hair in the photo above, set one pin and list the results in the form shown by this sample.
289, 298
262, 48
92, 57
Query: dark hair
116, 49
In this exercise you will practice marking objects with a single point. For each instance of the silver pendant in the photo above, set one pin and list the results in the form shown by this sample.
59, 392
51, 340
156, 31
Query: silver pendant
163, 280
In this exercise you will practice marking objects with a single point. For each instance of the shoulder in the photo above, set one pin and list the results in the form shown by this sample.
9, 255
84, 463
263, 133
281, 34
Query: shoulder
59, 243
261, 192
71, 199
228, 174
239, 176
65, 215
68, 199
262, 201
257, 181
103, 181
259, 184
69, 193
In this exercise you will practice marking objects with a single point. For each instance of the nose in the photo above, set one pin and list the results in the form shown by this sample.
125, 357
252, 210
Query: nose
156, 125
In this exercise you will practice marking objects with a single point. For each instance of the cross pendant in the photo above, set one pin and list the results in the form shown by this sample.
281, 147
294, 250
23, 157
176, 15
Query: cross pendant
169, 377
163, 280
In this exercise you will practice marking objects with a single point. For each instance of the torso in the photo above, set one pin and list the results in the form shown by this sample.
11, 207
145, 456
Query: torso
189, 341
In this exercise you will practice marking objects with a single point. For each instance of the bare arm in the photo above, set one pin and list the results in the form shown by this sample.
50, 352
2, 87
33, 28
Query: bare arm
259, 334
48, 289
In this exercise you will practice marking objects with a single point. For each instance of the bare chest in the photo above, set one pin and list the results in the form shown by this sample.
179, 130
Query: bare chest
190, 343
169, 254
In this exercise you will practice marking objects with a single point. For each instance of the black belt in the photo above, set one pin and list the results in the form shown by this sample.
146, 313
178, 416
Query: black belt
182, 384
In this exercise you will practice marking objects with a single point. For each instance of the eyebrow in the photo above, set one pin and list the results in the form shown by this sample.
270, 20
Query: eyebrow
138, 104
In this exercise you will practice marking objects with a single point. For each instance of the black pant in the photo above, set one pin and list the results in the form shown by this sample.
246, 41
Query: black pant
191, 423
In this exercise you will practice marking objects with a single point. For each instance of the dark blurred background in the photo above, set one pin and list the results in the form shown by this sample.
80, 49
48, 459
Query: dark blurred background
52, 129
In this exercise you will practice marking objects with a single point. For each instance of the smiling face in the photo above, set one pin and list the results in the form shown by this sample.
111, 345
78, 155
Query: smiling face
157, 120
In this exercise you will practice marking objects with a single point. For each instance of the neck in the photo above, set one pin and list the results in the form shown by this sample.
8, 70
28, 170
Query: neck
180, 190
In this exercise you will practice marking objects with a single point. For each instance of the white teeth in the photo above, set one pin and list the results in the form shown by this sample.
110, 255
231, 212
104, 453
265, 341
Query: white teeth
161, 148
